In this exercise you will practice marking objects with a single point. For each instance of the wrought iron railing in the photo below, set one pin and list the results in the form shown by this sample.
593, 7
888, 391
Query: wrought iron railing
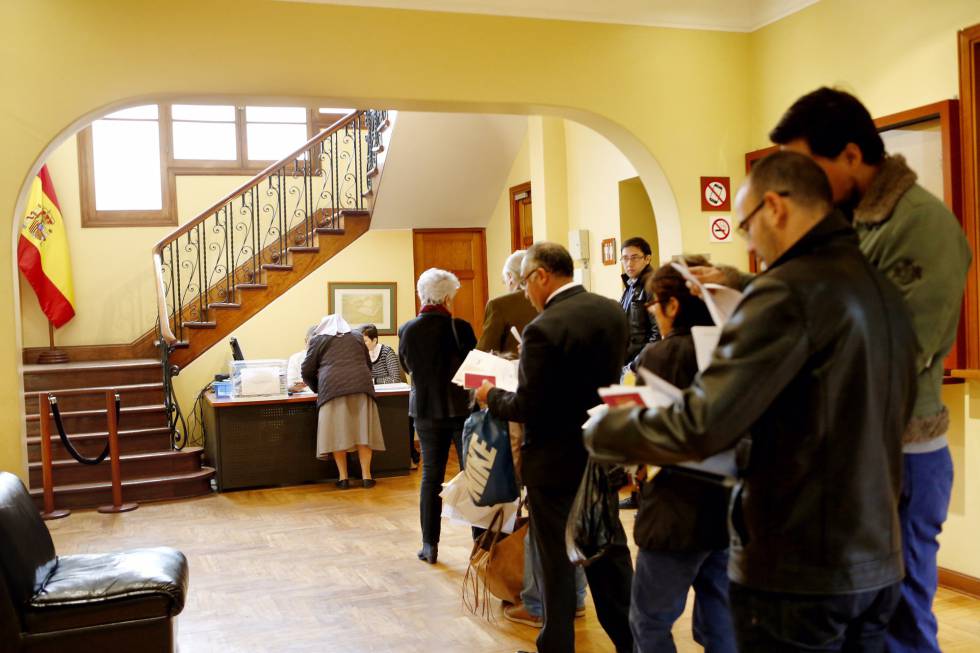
254, 228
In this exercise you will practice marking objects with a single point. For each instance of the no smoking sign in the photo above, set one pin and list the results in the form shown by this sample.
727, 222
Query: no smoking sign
720, 229
716, 194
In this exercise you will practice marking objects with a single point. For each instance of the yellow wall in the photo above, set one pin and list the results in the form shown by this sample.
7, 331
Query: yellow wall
498, 226
636, 216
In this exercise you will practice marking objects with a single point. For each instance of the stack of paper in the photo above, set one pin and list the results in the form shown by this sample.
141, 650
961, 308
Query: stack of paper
721, 302
480, 366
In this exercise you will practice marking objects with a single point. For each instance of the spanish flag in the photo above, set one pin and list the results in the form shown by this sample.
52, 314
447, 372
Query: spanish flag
42, 252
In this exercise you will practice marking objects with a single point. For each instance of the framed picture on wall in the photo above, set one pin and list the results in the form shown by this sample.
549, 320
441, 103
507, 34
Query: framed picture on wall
609, 251
365, 303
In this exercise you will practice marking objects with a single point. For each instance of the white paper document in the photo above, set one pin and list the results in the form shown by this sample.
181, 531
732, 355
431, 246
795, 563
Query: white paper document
479, 366
705, 342
720, 300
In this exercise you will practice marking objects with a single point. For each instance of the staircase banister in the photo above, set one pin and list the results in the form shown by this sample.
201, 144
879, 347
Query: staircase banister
183, 229
165, 331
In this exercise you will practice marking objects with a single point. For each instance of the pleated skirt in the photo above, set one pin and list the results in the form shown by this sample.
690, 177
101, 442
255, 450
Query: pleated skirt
347, 421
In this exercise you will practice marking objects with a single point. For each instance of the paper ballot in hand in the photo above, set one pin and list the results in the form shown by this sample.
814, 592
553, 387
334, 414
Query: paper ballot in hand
479, 366
721, 302
659, 393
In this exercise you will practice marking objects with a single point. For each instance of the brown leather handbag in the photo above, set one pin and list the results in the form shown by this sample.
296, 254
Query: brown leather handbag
496, 566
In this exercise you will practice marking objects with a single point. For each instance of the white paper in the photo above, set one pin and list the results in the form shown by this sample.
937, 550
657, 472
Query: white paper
458, 507
258, 381
719, 300
517, 336
480, 362
705, 342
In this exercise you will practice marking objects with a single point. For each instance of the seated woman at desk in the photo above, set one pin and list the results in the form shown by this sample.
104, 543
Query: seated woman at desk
338, 368
384, 360
294, 366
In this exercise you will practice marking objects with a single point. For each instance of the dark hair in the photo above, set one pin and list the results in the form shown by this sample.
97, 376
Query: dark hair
667, 283
369, 330
638, 243
795, 174
828, 119
551, 256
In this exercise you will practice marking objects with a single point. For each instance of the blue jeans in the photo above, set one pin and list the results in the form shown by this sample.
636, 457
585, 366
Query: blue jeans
927, 483
660, 586
530, 594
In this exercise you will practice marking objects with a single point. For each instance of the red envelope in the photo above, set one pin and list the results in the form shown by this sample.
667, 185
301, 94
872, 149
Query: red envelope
471, 380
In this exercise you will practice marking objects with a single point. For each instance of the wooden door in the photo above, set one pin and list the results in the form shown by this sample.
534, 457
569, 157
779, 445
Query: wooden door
521, 234
464, 253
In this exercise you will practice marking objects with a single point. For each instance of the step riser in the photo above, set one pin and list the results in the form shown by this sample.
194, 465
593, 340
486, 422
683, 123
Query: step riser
91, 378
79, 473
136, 443
98, 423
148, 397
156, 492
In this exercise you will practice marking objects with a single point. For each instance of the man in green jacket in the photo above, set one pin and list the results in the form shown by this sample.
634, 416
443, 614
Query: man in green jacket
912, 237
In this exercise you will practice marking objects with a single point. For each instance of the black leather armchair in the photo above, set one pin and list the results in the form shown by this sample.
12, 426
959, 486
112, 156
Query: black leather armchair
126, 601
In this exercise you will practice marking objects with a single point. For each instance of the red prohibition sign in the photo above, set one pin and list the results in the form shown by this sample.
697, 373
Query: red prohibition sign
720, 228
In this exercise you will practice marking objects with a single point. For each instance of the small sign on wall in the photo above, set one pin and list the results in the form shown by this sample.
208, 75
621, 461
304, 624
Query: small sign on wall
716, 194
720, 229
609, 251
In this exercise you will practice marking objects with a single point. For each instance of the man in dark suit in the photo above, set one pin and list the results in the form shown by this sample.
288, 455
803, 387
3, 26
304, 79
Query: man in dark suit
575, 346
506, 311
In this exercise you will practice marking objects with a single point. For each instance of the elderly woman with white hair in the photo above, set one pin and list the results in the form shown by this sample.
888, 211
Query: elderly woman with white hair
431, 348
338, 368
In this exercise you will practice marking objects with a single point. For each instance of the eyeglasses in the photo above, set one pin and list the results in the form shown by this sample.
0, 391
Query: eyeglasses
526, 277
632, 259
743, 226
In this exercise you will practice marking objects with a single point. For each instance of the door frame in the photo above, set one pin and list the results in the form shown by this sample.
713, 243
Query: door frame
515, 226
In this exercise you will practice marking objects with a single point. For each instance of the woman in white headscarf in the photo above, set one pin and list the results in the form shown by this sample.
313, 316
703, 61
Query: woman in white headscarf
338, 368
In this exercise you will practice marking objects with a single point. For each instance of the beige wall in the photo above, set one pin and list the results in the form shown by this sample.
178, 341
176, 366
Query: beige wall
636, 216
498, 226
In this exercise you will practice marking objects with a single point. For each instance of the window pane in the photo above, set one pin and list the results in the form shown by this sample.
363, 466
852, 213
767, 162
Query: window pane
275, 114
148, 111
126, 157
332, 111
203, 112
272, 142
205, 140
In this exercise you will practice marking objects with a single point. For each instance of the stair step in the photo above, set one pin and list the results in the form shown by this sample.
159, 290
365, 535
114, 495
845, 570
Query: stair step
303, 250
277, 267
330, 231
368, 193
139, 440
251, 286
224, 305
130, 395
86, 374
154, 488
136, 465
88, 421
378, 149
383, 126
200, 325
373, 172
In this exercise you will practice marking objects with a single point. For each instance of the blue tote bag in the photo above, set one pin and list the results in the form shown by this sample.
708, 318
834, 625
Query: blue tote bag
489, 463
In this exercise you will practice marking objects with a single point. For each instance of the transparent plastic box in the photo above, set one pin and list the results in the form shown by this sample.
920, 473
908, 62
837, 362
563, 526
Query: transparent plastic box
260, 377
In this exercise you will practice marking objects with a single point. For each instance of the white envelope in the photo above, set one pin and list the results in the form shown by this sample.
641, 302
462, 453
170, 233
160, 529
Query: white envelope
501, 372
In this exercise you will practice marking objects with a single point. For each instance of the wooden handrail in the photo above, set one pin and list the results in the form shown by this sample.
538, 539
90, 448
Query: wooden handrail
163, 312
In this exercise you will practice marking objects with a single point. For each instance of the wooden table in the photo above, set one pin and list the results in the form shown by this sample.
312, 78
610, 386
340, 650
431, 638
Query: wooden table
261, 441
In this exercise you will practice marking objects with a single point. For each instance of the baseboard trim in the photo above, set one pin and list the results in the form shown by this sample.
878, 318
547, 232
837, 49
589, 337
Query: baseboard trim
958, 582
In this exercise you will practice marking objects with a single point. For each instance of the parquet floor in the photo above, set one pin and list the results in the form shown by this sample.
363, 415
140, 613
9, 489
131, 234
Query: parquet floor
315, 569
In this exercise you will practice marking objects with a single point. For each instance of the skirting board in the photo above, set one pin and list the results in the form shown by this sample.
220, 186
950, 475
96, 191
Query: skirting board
958, 582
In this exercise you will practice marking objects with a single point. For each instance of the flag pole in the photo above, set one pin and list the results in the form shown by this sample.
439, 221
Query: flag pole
52, 355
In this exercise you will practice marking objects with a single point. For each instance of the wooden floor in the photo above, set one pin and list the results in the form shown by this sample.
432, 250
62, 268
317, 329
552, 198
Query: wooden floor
313, 568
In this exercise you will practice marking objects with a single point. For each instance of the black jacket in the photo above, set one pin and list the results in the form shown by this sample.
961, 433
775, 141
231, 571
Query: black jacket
677, 512
643, 328
573, 348
430, 351
817, 368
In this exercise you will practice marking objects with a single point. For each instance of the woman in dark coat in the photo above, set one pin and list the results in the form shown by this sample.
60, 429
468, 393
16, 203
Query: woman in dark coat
338, 368
431, 348
680, 528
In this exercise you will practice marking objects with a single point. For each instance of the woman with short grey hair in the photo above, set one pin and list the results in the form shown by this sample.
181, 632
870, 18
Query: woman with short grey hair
431, 348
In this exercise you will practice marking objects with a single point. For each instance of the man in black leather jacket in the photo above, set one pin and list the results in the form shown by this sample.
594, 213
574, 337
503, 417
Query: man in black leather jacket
636, 255
814, 378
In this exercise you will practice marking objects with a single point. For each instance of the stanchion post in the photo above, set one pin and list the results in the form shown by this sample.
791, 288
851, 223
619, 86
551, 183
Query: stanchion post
47, 478
117, 503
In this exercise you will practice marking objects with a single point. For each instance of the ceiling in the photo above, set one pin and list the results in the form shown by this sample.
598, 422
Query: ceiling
728, 15
446, 169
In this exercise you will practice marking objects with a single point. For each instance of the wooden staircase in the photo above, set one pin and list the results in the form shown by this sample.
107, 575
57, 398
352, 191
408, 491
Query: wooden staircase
151, 470
206, 289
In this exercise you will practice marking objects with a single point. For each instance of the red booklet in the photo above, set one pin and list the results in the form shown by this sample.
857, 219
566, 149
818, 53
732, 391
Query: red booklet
471, 380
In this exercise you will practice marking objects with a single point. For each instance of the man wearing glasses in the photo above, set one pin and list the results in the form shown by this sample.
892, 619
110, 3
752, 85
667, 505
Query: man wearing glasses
814, 381
636, 254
